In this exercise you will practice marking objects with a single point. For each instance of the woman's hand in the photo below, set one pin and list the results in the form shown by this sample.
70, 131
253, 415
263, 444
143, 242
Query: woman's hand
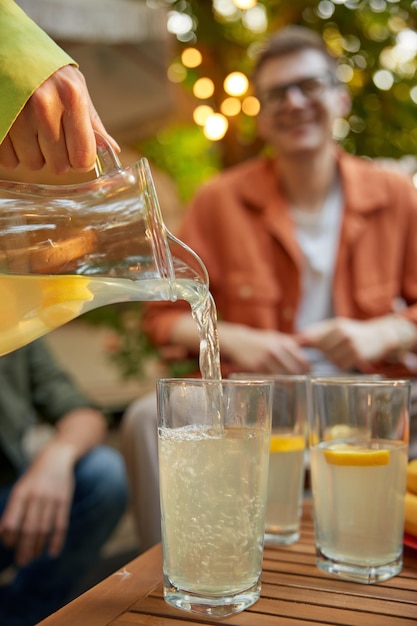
56, 127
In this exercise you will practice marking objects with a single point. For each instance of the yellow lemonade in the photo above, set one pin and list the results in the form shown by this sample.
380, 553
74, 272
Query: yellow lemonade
285, 488
213, 507
33, 305
357, 486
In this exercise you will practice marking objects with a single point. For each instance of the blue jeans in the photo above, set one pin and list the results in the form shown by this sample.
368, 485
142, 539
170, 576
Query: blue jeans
45, 585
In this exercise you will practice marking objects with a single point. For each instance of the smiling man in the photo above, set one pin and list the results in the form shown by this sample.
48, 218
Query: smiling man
311, 252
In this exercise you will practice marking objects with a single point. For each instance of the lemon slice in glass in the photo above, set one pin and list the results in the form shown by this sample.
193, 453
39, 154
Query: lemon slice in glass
286, 443
345, 454
344, 431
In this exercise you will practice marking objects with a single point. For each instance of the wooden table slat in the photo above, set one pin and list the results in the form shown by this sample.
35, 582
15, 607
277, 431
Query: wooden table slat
245, 619
313, 584
314, 597
303, 597
99, 605
406, 580
266, 611
294, 593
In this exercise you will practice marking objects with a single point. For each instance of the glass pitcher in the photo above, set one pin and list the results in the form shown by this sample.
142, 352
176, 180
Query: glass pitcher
67, 249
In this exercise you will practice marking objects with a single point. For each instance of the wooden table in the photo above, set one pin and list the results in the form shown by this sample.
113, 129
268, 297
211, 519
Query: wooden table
294, 593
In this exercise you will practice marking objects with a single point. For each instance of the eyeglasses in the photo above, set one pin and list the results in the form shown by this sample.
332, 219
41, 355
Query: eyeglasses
311, 88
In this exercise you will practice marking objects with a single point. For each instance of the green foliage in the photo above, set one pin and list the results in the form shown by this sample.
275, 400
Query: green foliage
182, 369
185, 154
359, 32
130, 347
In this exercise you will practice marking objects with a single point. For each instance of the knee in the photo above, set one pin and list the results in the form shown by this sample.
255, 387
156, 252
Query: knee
102, 472
139, 417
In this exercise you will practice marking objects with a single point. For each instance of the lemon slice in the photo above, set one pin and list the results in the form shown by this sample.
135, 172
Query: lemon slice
344, 454
343, 431
63, 299
20, 298
286, 443
65, 289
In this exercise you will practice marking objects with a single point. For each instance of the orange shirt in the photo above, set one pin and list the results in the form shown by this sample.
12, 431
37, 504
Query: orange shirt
240, 225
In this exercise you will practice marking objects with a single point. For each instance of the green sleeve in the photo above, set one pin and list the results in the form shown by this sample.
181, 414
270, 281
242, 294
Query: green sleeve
28, 56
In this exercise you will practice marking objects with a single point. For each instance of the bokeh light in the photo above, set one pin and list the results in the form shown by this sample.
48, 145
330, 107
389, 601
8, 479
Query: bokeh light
226, 8
383, 79
325, 9
251, 106
203, 88
179, 23
413, 94
236, 84
245, 4
341, 129
231, 106
191, 57
216, 127
201, 113
256, 19
176, 73
344, 72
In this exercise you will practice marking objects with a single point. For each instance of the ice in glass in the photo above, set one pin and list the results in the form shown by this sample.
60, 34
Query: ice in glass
213, 458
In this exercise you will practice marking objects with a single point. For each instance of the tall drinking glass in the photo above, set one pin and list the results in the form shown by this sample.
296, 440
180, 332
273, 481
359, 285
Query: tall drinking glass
358, 456
287, 456
286, 460
213, 440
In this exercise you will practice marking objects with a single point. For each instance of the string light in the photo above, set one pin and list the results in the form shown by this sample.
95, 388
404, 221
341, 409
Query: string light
236, 84
191, 57
216, 127
251, 106
176, 73
230, 106
245, 4
203, 88
201, 114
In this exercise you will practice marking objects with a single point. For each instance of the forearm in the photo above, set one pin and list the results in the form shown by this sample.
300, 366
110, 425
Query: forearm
184, 333
79, 431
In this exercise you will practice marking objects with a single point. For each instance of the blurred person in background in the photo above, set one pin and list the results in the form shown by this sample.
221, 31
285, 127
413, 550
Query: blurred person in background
58, 508
311, 254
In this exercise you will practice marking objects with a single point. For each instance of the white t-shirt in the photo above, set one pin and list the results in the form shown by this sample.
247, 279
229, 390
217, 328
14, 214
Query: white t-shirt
318, 237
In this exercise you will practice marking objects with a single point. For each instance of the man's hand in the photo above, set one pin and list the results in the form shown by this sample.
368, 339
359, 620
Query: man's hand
264, 351
37, 512
352, 343
55, 127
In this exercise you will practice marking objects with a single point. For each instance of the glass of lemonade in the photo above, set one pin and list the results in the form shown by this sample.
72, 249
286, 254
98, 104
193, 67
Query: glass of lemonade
213, 440
287, 457
358, 456
287, 460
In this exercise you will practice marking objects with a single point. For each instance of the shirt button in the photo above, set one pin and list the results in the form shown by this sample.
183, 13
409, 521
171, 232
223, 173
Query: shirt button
245, 292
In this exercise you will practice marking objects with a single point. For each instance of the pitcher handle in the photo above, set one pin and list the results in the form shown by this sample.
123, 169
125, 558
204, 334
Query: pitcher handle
107, 160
